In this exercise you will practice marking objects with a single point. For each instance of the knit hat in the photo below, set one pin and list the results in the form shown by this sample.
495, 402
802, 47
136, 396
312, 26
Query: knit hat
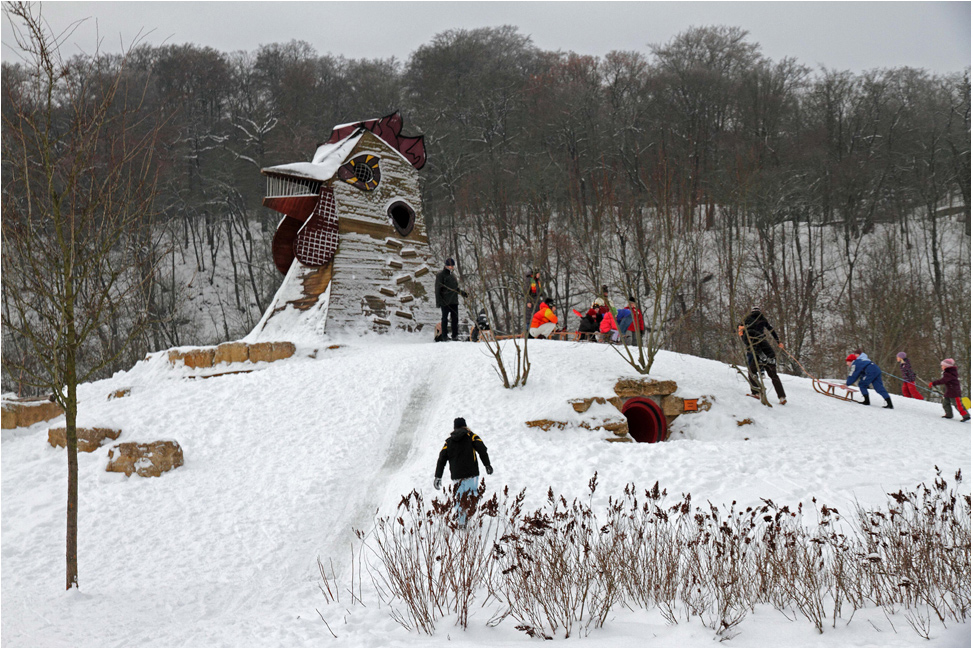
459, 423
851, 357
901, 355
949, 363
450, 261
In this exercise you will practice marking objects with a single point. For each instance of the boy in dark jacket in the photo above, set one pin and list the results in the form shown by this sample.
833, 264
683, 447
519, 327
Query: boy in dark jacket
908, 377
868, 375
953, 391
447, 298
460, 452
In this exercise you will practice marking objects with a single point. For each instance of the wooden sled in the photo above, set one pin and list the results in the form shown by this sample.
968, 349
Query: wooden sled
555, 336
832, 389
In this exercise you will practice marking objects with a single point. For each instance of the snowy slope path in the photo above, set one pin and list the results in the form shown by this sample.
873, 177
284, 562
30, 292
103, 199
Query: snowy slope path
372, 492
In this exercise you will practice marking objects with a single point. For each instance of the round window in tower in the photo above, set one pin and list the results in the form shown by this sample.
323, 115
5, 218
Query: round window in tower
362, 172
403, 217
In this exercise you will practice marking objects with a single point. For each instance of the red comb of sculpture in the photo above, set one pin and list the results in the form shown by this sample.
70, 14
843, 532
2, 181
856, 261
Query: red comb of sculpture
388, 129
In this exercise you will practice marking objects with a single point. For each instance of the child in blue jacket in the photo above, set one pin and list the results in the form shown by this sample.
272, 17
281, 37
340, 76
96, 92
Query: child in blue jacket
868, 375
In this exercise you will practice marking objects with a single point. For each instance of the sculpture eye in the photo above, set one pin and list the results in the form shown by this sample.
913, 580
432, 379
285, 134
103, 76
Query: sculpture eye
362, 172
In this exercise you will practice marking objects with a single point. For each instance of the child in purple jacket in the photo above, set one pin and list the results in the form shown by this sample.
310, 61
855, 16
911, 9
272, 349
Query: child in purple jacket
908, 377
950, 382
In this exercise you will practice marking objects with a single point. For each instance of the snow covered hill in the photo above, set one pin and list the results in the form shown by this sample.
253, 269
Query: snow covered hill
282, 463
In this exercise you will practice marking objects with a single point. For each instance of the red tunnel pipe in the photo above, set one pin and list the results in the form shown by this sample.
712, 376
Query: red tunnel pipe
646, 421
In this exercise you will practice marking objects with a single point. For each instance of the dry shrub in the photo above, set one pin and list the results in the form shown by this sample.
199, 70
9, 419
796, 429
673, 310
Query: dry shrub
560, 569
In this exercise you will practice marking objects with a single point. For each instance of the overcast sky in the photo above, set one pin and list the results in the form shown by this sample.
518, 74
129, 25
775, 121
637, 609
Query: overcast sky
852, 36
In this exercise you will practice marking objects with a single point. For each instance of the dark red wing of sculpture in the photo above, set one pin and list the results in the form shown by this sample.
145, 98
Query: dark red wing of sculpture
388, 129
317, 241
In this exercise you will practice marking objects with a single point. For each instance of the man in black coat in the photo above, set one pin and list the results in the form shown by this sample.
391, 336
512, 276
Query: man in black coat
755, 334
447, 298
460, 452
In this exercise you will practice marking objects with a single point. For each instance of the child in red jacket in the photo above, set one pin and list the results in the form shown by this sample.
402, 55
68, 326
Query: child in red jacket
950, 382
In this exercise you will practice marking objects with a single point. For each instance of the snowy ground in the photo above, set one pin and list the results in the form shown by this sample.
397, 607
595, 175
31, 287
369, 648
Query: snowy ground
283, 462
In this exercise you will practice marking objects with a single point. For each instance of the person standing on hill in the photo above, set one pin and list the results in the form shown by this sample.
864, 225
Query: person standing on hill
755, 333
447, 298
908, 377
638, 323
533, 292
460, 451
953, 391
868, 375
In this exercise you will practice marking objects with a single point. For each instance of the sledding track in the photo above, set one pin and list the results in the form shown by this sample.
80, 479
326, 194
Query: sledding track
374, 486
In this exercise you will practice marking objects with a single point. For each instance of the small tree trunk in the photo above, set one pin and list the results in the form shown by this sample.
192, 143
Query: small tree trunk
71, 434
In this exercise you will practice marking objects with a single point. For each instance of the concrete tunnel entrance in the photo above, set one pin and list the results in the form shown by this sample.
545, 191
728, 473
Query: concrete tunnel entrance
646, 421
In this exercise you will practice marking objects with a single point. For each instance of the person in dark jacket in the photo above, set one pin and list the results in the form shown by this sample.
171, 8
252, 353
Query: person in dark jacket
755, 333
908, 377
868, 375
590, 322
447, 298
953, 391
460, 451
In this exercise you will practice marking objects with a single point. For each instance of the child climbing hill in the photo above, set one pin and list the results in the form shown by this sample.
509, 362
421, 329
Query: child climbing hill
950, 382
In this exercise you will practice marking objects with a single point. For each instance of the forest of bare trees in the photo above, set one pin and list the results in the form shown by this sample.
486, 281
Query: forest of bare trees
700, 177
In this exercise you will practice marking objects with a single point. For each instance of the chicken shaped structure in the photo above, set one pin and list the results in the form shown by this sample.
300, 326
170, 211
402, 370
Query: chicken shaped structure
352, 244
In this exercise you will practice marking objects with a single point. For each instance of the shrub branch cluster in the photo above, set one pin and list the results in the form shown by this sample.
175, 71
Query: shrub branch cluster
561, 569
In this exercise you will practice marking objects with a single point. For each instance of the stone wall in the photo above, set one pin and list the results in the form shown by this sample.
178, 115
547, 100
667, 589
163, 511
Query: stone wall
18, 413
234, 352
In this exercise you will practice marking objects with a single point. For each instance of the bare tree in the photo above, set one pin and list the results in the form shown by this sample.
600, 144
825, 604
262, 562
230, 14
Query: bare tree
79, 176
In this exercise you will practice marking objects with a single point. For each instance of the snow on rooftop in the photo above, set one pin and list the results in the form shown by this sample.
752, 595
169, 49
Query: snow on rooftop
325, 162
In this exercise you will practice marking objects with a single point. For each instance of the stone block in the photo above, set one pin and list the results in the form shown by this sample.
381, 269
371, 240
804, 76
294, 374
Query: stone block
145, 459
644, 387
618, 428
235, 352
198, 358
617, 402
89, 439
271, 351
584, 403
28, 413
620, 439
672, 405
121, 392
581, 405
546, 425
